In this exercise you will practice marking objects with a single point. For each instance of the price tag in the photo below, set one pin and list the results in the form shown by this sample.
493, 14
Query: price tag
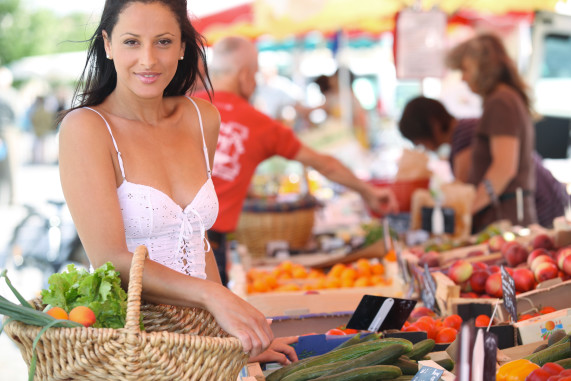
428, 293
427, 373
508, 288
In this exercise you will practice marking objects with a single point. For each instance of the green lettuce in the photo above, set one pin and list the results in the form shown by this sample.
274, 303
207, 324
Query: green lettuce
101, 291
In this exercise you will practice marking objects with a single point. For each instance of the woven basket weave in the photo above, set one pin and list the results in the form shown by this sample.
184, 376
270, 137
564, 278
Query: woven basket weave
256, 229
177, 344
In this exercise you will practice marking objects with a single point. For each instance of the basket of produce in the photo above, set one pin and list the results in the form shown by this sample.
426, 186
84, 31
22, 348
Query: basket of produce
176, 343
266, 220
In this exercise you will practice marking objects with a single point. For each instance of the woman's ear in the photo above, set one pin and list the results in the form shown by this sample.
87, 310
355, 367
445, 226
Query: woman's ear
106, 44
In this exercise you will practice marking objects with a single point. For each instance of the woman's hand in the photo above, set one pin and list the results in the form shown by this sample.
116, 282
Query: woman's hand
280, 351
239, 319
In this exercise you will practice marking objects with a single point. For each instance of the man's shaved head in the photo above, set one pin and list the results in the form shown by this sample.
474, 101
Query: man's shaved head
231, 54
233, 66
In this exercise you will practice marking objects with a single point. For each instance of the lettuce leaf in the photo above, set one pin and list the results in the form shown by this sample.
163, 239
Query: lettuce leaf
101, 291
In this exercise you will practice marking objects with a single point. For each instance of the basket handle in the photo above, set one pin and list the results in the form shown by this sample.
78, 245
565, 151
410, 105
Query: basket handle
135, 289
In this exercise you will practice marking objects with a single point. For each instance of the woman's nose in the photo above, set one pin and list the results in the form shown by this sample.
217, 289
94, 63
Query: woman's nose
148, 58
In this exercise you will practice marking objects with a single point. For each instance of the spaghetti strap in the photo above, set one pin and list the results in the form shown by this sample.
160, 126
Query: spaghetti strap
204, 148
114, 142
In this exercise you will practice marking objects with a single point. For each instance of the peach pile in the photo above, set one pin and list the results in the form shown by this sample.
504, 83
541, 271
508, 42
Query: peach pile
80, 314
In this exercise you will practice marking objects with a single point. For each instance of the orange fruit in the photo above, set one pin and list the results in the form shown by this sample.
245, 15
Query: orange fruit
260, 285
349, 273
299, 272
347, 283
58, 313
314, 274
83, 315
336, 270
452, 321
391, 256
378, 269
549, 325
445, 335
288, 287
482, 321
362, 282
332, 283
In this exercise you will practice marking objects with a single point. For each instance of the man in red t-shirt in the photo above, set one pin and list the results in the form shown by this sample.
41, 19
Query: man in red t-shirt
248, 137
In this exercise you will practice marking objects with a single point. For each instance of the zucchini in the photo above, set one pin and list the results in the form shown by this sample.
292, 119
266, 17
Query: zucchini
406, 365
347, 353
565, 363
383, 356
421, 349
366, 373
559, 351
447, 364
404, 377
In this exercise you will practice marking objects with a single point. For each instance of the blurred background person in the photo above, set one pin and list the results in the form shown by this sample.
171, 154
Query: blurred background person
427, 122
502, 163
329, 87
248, 137
7, 128
43, 124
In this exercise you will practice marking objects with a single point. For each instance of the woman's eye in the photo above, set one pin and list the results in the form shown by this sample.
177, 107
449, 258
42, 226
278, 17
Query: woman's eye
164, 42
130, 42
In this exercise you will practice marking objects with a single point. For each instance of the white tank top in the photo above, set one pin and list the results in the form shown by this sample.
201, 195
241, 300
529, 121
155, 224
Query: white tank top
175, 237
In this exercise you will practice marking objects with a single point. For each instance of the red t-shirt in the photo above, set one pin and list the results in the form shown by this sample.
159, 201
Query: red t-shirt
247, 137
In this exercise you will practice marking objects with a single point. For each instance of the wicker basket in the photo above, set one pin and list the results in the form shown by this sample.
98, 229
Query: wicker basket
177, 344
256, 229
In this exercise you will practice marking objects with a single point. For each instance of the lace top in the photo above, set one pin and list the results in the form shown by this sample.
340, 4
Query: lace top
175, 237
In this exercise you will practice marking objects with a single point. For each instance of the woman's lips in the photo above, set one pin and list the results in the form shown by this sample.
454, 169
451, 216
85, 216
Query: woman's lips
147, 77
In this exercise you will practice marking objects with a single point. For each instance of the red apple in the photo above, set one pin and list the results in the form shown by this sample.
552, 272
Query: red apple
419, 312
495, 243
475, 253
561, 254
507, 245
540, 259
460, 271
524, 279
479, 266
431, 258
494, 269
536, 253
545, 271
566, 267
478, 281
515, 254
543, 241
494, 285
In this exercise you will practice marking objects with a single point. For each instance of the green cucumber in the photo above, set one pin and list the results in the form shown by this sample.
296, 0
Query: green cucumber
406, 365
348, 353
565, 363
447, 364
421, 349
366, 373
383, 356
559, 351
351, 341
314, 371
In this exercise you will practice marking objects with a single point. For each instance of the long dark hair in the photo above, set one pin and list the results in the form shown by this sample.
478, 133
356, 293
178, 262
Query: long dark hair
99, 77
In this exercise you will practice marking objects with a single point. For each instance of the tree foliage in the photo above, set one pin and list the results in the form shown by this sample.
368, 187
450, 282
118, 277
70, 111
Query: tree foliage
25, 32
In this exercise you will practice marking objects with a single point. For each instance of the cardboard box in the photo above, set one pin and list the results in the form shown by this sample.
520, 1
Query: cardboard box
306, 324
541, 327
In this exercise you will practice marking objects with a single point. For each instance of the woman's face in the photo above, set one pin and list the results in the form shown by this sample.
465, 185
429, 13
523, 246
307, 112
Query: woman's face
145, 47
469, 70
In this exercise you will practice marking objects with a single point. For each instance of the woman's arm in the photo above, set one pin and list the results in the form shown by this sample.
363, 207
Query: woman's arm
504, 166
89, 177
462, 164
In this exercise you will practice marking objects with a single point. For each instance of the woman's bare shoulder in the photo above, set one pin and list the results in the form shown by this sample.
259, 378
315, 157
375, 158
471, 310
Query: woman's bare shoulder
82, 121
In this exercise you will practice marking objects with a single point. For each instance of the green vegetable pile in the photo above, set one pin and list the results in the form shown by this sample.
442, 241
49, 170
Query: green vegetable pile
101, 291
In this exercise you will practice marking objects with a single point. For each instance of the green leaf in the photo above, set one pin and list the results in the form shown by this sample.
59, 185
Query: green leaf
19, 296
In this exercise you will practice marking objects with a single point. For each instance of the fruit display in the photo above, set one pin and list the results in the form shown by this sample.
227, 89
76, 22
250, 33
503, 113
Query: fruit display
289, 276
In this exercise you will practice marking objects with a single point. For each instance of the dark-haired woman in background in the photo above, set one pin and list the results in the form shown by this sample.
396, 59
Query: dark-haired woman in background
426, 121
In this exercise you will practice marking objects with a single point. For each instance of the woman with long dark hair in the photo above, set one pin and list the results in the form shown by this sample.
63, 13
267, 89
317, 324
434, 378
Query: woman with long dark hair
135, 159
